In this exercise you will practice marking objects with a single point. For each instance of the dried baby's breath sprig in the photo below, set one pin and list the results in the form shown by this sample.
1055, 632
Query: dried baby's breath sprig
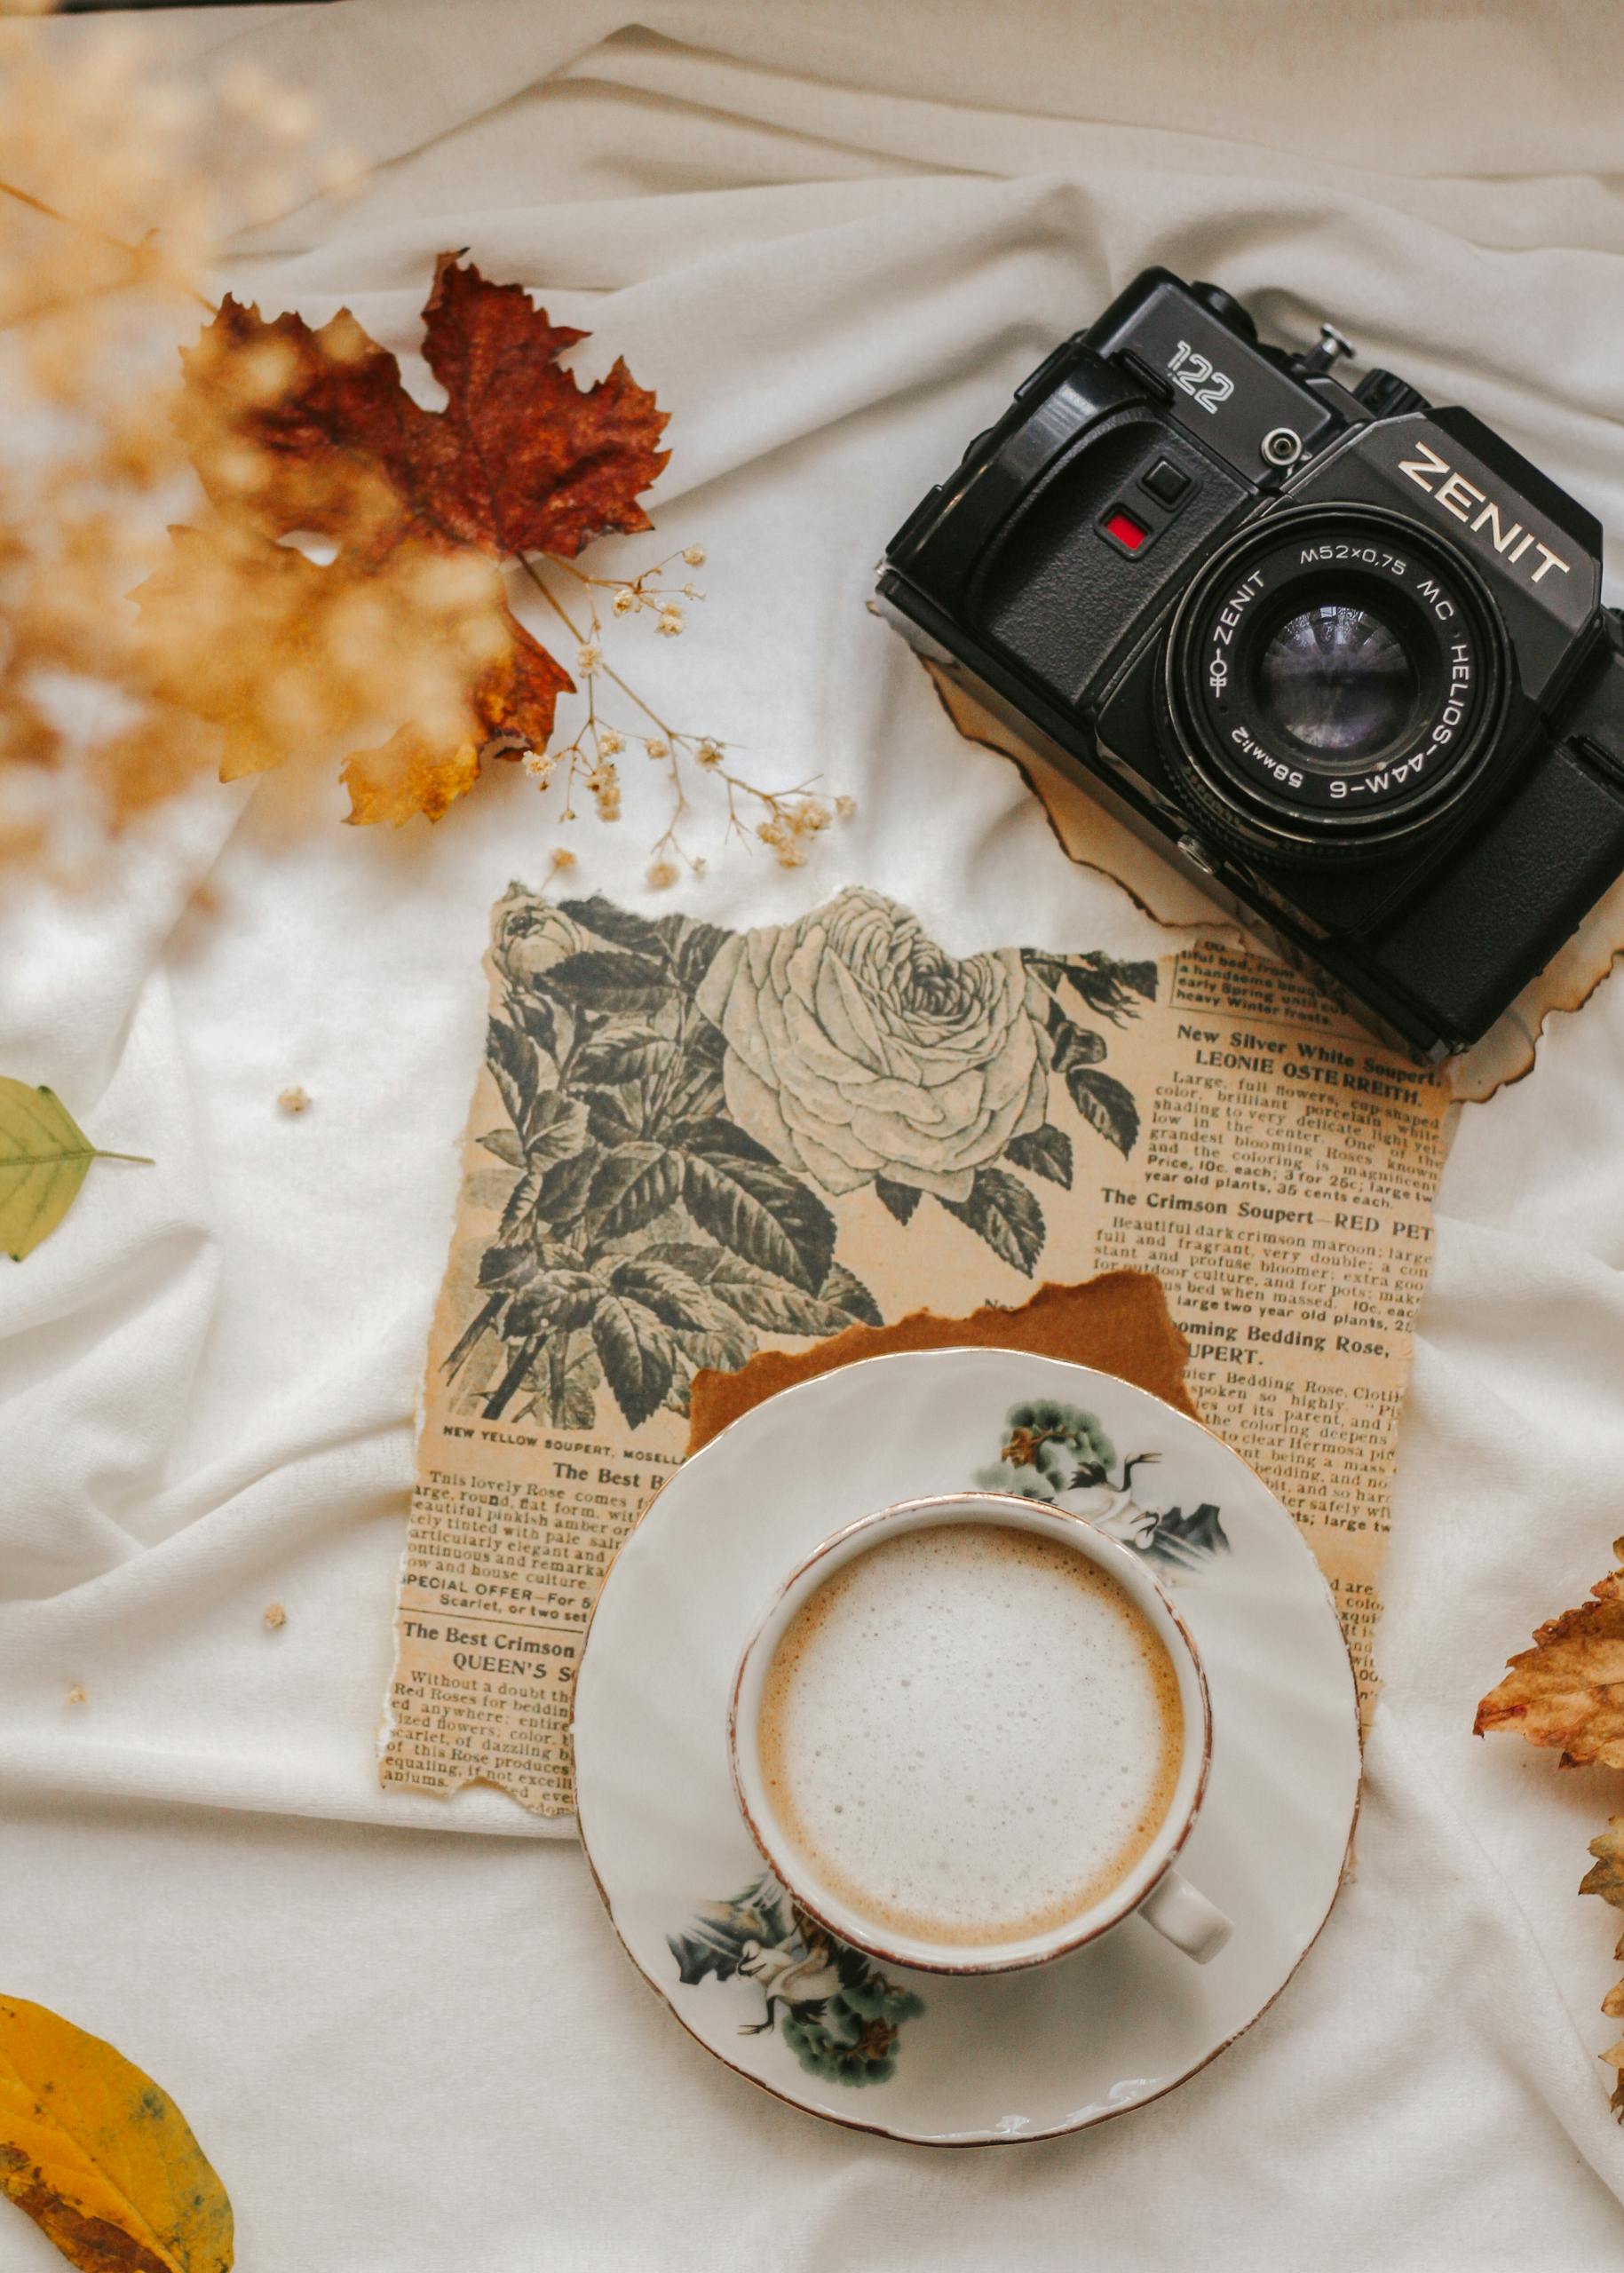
790, 820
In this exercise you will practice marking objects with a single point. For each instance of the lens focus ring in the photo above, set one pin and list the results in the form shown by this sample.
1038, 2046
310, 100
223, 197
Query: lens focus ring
1333, 680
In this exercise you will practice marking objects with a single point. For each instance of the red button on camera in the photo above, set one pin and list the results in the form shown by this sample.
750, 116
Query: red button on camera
1129, 533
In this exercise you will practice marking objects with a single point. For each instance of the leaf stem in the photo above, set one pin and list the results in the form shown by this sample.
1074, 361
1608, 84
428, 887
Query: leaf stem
141, 1159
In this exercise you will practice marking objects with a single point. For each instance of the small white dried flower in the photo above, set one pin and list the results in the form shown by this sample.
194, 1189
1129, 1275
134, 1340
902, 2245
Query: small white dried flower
624, 600
276, 1616
657, 746
662, 875
587, 657
562, 857
604, 784
845, 807
709, 753
537, 764
691, 592
694, 555
77, 1694
294, 1100
670, 624
609, 744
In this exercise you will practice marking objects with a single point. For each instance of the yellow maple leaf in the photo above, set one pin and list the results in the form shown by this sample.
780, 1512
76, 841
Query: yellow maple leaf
99, 2156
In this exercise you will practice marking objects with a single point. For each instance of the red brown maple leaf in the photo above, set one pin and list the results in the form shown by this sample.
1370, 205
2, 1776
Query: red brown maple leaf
294, 431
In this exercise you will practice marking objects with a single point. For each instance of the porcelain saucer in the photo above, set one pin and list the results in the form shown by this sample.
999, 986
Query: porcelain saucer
942, 2060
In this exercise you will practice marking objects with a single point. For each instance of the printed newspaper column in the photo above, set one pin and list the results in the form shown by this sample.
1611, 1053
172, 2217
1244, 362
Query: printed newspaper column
1282, 1192
688, 1144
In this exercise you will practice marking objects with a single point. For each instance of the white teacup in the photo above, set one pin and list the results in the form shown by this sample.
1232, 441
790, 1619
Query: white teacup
1019, 1653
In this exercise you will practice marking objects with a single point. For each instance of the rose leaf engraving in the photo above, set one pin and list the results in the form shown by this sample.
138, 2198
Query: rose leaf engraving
763, 1213
1001, 1210
637, 1358
1046, 1151
1104, 1103
900, 1199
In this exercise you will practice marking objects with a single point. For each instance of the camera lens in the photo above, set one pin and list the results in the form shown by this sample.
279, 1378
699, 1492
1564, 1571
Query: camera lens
1337, 681
1333, 678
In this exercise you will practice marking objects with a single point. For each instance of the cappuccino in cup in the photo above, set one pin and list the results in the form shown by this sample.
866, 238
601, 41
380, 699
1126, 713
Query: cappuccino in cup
971, 1733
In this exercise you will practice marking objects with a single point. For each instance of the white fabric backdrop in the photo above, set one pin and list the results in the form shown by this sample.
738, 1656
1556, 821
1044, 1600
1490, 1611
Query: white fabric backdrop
833, 237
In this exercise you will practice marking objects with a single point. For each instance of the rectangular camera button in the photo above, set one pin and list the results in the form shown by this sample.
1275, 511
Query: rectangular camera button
1166, 481
1129, 533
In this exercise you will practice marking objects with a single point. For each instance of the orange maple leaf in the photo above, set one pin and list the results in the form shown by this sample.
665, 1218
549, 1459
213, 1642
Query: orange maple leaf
294, 431
1568, 1690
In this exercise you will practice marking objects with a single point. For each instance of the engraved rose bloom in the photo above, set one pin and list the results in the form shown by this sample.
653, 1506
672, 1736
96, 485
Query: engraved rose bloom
857, 1048
528, 937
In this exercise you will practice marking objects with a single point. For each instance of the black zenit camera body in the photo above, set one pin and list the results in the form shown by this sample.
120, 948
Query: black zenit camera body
1340, 653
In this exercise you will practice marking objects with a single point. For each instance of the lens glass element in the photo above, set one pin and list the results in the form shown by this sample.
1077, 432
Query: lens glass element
1337, 682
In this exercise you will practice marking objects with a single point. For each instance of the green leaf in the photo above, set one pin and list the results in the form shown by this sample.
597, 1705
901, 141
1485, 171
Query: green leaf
844, 1292
1106, 1104
44, 1157
1002, 1211
610, 1059
633, 1185
636, 1357
608, 979
1045, 1151
762, 1213
609, 921
900, 1199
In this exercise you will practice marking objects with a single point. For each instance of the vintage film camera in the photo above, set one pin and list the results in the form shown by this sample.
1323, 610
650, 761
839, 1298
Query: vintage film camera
1339, 653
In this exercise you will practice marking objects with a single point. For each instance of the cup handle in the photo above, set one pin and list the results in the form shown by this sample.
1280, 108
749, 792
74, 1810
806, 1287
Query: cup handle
1186, 1918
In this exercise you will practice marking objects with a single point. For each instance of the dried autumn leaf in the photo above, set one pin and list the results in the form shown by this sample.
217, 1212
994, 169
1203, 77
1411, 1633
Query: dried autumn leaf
99, 2156
1568, 1690
294, 431
44, 1157
1606, 1878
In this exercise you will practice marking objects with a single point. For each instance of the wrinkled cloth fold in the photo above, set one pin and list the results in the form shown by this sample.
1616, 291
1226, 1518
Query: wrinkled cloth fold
833, 238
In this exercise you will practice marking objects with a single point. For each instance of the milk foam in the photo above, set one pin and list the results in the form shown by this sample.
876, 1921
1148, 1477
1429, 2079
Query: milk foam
971, 1733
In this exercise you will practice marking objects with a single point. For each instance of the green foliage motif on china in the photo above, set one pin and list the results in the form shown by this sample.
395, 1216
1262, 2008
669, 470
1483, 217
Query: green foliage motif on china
1050, 1451
836, 2010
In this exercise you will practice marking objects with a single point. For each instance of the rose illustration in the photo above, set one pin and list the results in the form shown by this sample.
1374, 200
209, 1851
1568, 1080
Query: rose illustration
528, 937
857, 1048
